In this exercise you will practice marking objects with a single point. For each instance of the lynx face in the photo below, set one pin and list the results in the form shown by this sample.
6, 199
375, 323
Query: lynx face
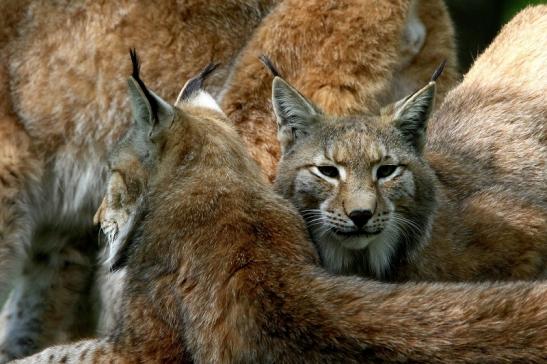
352, 182
360, 182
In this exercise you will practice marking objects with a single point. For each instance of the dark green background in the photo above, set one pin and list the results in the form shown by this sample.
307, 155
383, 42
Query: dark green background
478, 21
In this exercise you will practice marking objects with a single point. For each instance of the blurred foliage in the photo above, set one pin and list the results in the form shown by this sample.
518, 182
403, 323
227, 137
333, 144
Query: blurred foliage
478, 21
510, 8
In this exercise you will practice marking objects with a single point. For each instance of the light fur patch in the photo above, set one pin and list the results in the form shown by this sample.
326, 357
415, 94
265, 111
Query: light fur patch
73, 186
202, 99
414, 35
116, 216
111, 286
335, 258
380, 251
116, 229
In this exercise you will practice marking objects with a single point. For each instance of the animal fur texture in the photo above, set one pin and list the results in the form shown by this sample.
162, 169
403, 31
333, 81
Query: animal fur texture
220, 269
62, 107
347, 62
462, 197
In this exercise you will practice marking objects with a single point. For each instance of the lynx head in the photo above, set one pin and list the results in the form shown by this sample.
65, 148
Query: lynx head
360, 182
160, 134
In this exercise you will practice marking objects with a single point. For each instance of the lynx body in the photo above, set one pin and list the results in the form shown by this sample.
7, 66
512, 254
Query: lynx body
220, 269
462, 197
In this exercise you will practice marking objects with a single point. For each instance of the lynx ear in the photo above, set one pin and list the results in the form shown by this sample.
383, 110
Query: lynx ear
295, 114
412, 113
192, 93
150, 111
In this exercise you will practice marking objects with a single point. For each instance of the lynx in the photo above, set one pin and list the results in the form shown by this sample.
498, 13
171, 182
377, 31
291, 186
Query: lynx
62, 109
220, 269
361, 65
462, 197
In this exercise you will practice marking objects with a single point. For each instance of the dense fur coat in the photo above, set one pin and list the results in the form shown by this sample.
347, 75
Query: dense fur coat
349, 61
62, 106
461, 197
220, 269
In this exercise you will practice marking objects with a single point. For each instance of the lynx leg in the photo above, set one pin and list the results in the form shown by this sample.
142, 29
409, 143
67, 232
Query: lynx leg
48, 303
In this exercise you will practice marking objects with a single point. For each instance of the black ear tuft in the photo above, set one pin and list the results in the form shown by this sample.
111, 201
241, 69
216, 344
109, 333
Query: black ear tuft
136, 76
135, 63
268, 63
196, 83
438, 71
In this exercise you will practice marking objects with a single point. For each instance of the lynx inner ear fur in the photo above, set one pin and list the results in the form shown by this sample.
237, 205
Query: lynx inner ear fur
295, 113
193, 93
412, 113
149, 110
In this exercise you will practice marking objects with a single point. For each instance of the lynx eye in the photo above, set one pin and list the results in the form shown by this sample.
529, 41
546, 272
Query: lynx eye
385, 170
328, 171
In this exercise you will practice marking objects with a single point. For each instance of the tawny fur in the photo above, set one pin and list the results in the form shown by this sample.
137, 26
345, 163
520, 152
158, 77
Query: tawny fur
220, 269
488, 146
62, 104
352, 60
61, 109
476, 202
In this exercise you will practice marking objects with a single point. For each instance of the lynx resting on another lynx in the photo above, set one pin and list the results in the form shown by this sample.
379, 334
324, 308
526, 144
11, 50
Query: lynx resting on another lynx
62, 107
461, 197
220, 269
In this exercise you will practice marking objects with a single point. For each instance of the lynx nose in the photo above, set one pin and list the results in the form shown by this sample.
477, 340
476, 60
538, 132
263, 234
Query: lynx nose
360, 217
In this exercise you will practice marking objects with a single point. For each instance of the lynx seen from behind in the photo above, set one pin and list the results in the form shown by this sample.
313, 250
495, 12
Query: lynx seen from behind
220, 269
